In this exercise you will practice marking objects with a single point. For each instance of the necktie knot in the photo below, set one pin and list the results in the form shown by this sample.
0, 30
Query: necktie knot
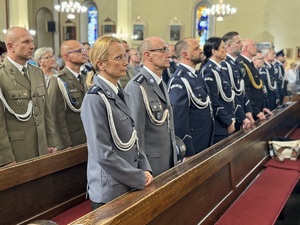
80, 79
161, 85
121, 95
24, 70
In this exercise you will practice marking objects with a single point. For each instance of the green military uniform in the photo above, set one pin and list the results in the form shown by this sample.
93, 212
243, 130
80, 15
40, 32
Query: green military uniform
65, 104
24, 137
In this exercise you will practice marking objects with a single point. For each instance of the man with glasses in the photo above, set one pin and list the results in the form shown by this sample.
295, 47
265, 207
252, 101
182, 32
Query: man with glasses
151, 108
26, 127
253, 81
66, 92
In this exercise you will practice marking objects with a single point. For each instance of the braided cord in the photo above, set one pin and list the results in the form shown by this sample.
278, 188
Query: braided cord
116, 139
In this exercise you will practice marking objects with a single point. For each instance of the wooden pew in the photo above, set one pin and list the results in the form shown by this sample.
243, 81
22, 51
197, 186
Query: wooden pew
43, 187
200, 190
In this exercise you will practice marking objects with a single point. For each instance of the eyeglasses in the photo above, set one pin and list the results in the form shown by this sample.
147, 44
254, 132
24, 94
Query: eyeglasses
162, 50
80, 50
49, 57
119, 58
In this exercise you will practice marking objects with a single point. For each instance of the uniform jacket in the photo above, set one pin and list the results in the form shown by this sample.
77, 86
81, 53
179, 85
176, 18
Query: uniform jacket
130, 73
242, 102
157, 141
280, 79
193, 125
223, 111
267, 72
110, 172
24, 140
68, 125
255, 95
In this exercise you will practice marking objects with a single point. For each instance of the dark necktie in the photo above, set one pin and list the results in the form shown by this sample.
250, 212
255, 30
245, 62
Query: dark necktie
161, 85
80, 79
121, 95
26, 75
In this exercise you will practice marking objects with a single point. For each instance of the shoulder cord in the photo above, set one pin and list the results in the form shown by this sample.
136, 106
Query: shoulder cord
220, 89
21, 117
197, 102
66, 95
272, 88
238, 91
166, 113
251, 78
117, 141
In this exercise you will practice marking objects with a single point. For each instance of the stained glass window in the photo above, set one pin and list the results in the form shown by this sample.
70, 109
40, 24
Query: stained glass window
92, 25
202, 25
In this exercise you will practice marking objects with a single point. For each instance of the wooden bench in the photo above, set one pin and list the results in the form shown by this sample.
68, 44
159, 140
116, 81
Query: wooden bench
43, 187
199, 190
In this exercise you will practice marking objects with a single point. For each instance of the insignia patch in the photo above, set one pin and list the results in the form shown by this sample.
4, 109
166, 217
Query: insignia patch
151, 80
176, 86
72, 90
107, 93
25, 94
208, 78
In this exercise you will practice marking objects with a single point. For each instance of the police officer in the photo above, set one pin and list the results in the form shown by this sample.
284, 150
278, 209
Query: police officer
243, 110
151, 108
193, 116
280, 75
222, 95
268, 76
253, 81
66, 93
26, 128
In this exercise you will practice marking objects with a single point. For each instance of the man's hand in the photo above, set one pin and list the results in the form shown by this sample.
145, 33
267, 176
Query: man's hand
267, 111
149, 178
261, 116
52, 149
246, 123
231, 128
10, 164
250, 117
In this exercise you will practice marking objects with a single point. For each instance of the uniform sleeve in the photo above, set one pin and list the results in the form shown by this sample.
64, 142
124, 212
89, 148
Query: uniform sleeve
57, 107
137, 110
263, 74
6, 153
220, 113
100, 146
180, 102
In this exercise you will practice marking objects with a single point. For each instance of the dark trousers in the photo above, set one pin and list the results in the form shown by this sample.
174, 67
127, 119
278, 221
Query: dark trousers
96, 205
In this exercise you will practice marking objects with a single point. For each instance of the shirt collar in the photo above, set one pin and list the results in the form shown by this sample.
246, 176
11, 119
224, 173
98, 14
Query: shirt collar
156, 78
231, 57
19, 66
114, 87
218, 64
73, 72
247, 58
189, 68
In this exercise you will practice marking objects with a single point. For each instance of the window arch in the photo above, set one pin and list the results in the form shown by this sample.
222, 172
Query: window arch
89, 23
203, 24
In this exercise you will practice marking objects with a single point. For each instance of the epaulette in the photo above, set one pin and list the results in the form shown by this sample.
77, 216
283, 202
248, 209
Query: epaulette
178, 73
94, 89
139, 79
59, 74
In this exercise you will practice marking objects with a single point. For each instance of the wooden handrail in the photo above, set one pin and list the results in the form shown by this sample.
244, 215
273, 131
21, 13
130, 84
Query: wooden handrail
201, 189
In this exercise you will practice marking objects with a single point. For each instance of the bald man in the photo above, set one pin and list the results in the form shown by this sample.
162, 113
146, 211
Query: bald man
26, 128
66, 91
153, 120
253, 81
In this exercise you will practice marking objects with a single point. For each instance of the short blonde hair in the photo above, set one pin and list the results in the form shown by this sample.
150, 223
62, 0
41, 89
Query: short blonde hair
99, 52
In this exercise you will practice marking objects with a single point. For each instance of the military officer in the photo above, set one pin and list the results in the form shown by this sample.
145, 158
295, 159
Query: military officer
193, 116
26, 128
253, 81
222, 95
268, 76
66, 93
243, 110
150, 106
